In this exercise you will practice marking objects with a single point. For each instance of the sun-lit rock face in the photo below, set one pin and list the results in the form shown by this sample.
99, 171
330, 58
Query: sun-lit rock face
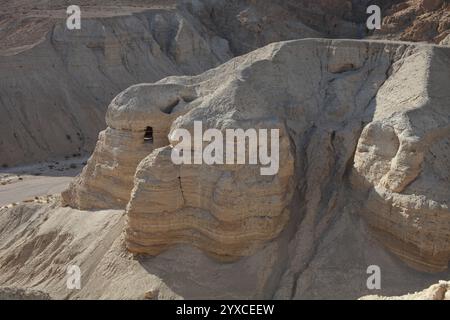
230, 211
138, 122
227, 210
399, 179
402, 162
84, 70
438, 291
363, 126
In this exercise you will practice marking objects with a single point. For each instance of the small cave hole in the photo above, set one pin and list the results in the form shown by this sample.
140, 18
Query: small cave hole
148, 136
169, 108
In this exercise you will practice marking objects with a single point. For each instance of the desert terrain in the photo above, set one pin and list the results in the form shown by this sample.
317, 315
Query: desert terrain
364, 147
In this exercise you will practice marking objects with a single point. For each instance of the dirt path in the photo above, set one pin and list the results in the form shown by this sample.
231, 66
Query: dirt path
32, 187
27, 182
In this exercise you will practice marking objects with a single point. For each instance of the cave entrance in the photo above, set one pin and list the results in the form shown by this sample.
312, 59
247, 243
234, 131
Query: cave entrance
148, 136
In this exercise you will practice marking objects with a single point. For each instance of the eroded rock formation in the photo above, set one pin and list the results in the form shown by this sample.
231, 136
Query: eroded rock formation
417, 20
228, 212
115, 48
107, 180
125, 42
374, 112
439, 291
403, 158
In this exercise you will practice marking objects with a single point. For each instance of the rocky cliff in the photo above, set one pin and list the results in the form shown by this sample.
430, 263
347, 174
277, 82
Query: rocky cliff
56, 83
401, 161
417, 20
364, 142
364, 148
54, 89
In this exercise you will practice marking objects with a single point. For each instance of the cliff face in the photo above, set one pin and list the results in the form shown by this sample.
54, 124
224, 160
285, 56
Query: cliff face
402, 157
364, 128
362, 180
54, 90
364, 152
56, 83
417, 20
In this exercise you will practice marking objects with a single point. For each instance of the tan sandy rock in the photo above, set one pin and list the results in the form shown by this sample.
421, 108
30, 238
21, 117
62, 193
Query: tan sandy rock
363, 174
403, 156
446, 41
438, 291
22, 294
417, 20
216, 208
56, 83
107, 180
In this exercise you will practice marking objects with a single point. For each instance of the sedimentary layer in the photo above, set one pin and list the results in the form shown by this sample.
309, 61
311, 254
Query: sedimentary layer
364, 125
56, 83
362, 181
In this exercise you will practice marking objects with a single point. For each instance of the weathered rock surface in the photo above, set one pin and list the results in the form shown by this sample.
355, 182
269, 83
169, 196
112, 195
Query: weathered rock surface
228, 213
56, 83
22, 294
55, 86
363, 179
403, 159
417, 20
107, 180
446, 41
40, 241
440, 291
38, 244
365, 125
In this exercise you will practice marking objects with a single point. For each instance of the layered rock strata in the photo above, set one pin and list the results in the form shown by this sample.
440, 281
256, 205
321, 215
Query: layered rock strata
439, 291
107, 180
373, 111
402, 161
56, 82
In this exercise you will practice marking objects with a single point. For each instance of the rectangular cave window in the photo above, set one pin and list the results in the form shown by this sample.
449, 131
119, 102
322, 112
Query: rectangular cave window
148, 137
